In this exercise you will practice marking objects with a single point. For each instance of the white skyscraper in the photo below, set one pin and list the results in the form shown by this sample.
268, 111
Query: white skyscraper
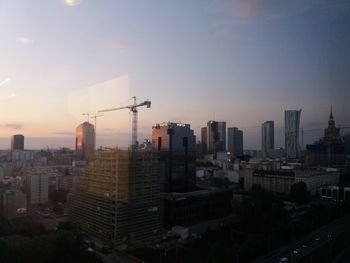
292, 124
38, 185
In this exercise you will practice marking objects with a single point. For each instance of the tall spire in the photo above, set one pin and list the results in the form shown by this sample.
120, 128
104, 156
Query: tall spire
331, 114
331, 122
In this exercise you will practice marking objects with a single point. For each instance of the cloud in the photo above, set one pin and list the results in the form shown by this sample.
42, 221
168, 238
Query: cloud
8, 97
3, 82
120, 43
25, 40
256, 10
72, 2
227, 28
14, 126
250, 11
65, 133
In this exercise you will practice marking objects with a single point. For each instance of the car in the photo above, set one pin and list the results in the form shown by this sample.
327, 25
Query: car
304, 246
283, 260
317, 239
329, 236
296, 251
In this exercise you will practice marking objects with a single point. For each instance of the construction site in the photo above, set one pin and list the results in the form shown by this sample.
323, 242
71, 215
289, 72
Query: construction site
118, 200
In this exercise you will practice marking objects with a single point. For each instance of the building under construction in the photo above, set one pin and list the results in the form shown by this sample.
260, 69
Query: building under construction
118, 199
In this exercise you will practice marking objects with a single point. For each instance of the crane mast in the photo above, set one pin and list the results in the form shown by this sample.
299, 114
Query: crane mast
134, 128
95, 116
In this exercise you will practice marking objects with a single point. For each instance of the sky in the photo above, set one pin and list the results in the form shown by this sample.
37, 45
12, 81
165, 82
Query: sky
239, 61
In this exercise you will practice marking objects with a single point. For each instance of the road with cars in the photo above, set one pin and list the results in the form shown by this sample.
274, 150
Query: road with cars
306, 245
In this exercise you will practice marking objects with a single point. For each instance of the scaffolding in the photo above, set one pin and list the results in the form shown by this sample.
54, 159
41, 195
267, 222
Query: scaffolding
118, 199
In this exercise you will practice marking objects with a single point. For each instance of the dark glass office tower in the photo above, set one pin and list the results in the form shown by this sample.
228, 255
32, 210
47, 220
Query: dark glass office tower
176, 144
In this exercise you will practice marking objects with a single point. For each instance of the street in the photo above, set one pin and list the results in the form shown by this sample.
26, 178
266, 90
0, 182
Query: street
309, 243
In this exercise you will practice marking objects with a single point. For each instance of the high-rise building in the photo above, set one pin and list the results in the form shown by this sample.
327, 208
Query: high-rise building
329, 151
38, 185
204, 142
85, 141
292, 124
17, 142
118, 199
267, 138
235, 141
216, 137
347, 143
176, 144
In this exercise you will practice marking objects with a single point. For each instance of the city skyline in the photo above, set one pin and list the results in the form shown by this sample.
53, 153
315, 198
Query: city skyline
174, 131
112, 140
223, 66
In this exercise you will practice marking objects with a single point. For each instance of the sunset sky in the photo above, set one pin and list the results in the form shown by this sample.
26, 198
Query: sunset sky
243, 62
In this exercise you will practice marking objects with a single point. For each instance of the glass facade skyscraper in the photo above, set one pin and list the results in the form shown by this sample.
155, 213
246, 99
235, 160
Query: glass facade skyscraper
267, 138
235, 141
17, 142
176, 144
216, 137
85, 141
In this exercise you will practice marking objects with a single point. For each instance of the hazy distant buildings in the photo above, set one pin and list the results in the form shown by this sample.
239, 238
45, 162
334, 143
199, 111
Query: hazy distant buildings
22, 156
118, 200
292, 124
235, 141
17, 142
215, 137
85, 141
176, 145
267, 138
280, 181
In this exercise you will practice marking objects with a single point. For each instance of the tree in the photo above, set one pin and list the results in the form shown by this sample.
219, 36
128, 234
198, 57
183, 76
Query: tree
298, 192
220, 182
31, 228
260, 211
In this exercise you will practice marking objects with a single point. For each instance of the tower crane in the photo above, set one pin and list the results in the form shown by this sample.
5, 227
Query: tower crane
88, 116
95, 116
133, 108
